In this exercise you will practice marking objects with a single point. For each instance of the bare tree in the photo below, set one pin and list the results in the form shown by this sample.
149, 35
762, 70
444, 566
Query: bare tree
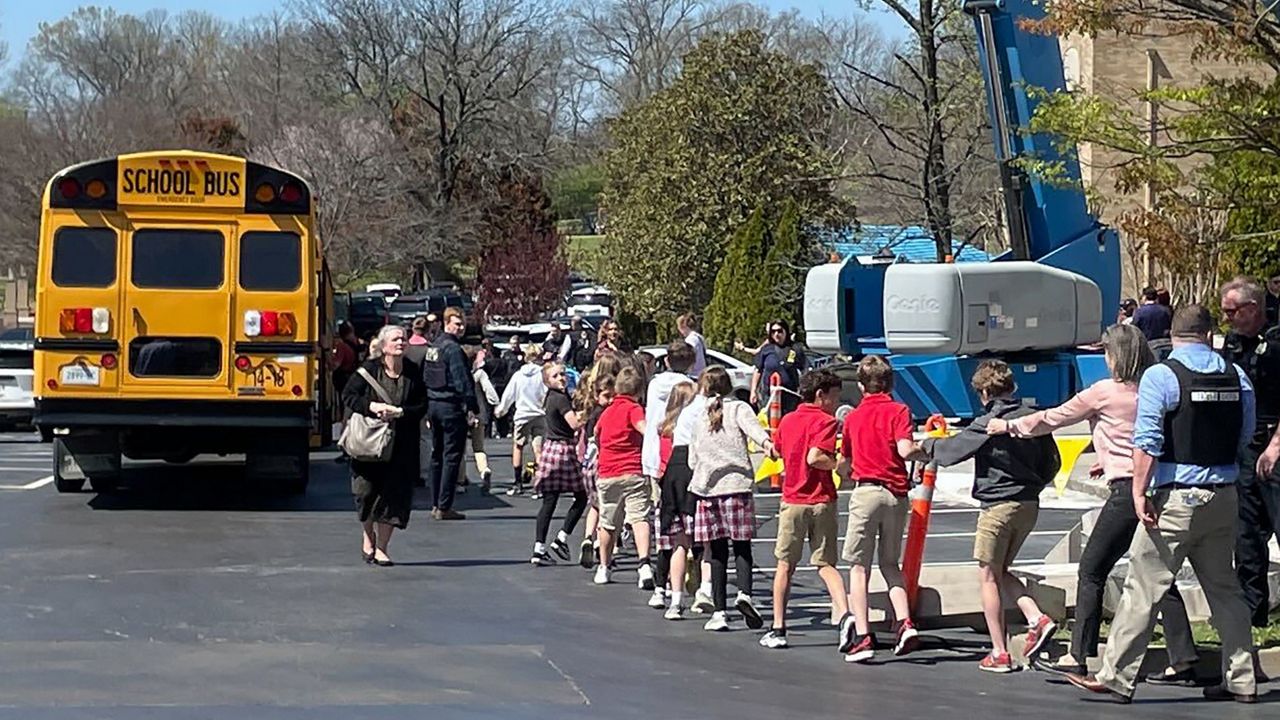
920, 137
457, 81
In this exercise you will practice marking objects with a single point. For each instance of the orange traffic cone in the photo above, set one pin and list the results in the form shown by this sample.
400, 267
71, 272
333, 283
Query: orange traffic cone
918, 523
775, 417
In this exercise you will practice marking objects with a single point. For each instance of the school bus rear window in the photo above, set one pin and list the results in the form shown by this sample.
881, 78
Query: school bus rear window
84, 257
178, 259
270, 261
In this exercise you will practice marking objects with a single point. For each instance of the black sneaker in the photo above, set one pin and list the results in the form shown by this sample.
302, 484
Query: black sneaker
587, 556
560, 550
541, 559
848, 634
486, 481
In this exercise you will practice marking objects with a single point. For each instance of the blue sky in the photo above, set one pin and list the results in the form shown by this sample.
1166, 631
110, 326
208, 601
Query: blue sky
19, 19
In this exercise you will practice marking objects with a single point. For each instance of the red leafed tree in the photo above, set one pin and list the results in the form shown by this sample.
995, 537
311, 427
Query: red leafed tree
523, 270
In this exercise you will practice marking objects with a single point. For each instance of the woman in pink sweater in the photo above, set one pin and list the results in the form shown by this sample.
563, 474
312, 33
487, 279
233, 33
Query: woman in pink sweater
1110, 406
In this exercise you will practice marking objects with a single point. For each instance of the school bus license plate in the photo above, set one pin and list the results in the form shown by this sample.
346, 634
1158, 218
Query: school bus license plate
264, 376
80, 375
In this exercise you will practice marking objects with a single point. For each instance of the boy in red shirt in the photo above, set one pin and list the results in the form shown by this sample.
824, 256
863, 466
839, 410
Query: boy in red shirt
877, 441
806, 442
623, 492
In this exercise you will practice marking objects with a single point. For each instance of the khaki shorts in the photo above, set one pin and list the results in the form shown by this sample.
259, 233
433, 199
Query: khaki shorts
628, 499
874, 511
819, 524
530, 432
1002, 528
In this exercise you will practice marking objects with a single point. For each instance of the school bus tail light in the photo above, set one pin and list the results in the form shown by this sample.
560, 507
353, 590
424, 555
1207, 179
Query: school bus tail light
69, 187
265, 194
290, 193
269, 323
95, 189
109, 361
96, 321
243, 363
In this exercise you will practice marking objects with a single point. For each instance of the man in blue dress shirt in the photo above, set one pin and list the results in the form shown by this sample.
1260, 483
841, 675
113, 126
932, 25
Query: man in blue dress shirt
1195, 412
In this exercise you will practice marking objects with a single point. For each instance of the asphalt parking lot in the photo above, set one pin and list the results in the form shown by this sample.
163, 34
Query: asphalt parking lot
189, 594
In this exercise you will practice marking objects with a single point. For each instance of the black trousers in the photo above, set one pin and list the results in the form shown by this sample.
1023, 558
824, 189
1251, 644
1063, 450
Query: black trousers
743, 563
449, 433
548, 509
1259, 520
1108, 542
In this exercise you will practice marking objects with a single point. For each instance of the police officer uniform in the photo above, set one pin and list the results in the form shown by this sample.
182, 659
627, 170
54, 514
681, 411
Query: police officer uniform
451, 396
1259, 357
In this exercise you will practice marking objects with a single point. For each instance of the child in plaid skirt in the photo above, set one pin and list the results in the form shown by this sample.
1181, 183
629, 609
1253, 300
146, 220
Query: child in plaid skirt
723, 481
559, 470
675, 506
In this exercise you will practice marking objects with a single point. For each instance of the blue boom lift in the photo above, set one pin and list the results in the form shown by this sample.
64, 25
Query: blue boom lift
1034, 306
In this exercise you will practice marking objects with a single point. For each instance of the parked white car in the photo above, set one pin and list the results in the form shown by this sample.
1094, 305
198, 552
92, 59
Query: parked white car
17, 401
739, 371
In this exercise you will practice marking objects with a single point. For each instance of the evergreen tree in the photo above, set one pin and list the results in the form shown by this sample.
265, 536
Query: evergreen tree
737, 300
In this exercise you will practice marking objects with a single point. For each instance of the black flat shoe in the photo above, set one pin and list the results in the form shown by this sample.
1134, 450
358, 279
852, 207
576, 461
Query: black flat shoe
1182, 678
368, 557
1057, 669
383, 563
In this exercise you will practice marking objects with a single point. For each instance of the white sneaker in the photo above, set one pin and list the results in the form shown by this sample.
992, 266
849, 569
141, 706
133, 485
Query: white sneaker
658, 600
603, 575
675, 612
702, 603
646, 577
719, 622
774, 640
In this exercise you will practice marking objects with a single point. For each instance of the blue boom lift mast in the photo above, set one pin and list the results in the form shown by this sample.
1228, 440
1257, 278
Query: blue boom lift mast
1033, 306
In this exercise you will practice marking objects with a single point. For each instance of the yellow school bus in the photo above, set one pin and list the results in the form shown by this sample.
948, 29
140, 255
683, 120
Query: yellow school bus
182, 304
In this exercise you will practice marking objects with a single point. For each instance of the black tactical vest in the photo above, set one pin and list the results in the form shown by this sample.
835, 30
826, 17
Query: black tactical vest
1204, 429
434, 371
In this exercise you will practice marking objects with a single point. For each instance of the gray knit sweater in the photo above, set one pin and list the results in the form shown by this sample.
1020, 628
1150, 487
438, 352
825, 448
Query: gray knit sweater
719, 460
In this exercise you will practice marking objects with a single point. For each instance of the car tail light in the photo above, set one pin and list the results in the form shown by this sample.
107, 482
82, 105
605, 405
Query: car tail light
109, 361
85, 320
243, 364
269, 323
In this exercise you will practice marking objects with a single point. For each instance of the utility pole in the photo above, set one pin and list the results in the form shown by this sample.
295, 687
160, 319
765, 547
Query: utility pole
1155, 70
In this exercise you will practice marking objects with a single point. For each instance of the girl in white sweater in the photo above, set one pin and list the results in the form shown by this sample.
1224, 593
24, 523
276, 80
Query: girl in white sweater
723, 483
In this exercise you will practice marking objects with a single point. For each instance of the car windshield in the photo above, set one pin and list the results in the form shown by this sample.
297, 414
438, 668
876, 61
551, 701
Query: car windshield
409, 305
21, 334
366, 306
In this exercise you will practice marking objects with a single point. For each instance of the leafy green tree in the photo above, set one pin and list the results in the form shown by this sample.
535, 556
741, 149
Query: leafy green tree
1214, 172
742, 128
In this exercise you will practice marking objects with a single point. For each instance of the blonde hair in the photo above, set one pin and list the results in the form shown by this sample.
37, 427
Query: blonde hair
549, 368
681, 395
629, 382
384, 334
715, 384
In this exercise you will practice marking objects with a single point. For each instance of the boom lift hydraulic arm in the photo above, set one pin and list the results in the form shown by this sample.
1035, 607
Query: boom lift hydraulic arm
1033, 305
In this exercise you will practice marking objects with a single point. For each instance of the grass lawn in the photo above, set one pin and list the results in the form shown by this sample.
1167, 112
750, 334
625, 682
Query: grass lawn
583, 251
1204, 633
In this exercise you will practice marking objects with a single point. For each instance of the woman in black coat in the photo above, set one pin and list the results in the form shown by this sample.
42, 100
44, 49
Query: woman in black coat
384, 490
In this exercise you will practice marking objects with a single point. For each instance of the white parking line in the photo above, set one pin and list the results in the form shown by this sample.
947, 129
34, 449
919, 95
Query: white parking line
931, 536
33, 485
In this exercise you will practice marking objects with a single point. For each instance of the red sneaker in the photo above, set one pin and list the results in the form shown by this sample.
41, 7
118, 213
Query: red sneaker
908, 638
1038, 635
863, 650
996, 663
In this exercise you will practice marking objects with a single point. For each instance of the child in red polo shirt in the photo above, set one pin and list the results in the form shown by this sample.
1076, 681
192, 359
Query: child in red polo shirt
877, 441
806, 441
623, 491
